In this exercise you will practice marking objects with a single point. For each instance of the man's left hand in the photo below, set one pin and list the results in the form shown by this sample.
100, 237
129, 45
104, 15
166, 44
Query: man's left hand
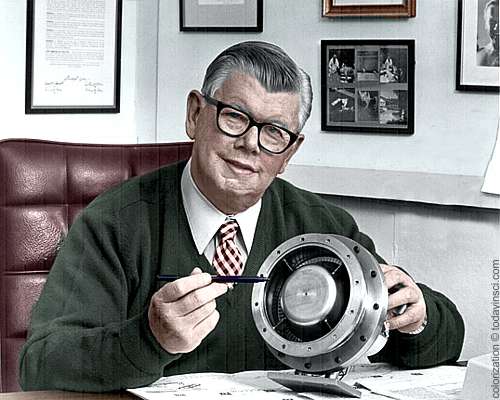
410, 294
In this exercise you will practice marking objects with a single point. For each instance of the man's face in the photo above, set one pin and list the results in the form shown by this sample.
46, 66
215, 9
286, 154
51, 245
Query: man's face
491, 24
233, 173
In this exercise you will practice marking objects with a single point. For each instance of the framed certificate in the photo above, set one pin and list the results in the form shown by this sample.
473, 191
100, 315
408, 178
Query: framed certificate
73, 56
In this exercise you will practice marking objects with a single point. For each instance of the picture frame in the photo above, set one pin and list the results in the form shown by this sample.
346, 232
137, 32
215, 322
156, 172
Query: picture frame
221, 15
368, 86
73, 57
370, 8
477, 59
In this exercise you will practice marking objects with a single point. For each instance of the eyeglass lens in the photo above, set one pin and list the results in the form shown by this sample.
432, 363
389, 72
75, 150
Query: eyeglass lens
235, 123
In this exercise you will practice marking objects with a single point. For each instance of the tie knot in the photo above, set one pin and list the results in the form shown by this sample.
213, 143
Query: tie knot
227, 230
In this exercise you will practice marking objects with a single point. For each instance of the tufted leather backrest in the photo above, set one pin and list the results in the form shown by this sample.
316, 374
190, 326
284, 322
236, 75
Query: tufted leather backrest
43, 186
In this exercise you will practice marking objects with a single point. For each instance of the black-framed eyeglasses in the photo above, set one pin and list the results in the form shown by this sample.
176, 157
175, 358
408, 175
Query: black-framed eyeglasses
235, 123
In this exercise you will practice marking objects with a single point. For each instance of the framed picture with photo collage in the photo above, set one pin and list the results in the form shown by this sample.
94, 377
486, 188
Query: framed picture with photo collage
368, 86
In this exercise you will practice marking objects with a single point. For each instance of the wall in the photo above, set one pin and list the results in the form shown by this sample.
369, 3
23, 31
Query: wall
454, 131
138, 107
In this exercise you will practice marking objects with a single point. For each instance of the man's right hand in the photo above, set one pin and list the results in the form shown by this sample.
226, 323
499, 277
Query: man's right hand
182, 313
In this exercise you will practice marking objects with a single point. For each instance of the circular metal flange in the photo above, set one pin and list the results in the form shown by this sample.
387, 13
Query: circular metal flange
307, 295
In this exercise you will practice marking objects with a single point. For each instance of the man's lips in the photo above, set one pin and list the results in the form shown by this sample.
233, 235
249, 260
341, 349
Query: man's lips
241, 165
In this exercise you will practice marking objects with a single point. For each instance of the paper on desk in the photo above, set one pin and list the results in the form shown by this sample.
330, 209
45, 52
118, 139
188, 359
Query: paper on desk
214, 386
491, 183
243, 385
440, 383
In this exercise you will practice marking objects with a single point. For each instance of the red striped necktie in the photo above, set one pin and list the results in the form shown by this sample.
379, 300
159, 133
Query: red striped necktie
227, 258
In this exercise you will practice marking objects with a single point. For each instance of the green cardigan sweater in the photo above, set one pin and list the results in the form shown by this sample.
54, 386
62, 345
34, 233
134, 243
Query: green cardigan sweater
89, 330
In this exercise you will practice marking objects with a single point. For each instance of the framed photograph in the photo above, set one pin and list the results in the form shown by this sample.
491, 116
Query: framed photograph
369, 8
221, 15
477, 46
368, 86
73, 56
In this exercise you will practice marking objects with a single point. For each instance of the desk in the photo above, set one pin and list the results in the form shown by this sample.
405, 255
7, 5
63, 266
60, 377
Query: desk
58, 395
380, 382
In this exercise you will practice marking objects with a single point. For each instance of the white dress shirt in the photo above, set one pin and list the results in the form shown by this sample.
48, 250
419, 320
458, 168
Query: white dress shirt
205, 219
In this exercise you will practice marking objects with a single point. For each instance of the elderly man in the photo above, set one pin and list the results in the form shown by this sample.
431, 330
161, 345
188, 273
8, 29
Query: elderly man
104, 323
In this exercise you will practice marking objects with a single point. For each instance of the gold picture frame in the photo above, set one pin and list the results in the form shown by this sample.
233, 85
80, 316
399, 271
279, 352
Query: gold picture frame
370, 8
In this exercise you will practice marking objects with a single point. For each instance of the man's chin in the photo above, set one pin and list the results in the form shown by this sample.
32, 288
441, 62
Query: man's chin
238, 191
241, 197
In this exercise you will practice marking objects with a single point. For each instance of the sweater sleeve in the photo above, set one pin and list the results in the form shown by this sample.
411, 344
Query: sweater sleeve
439, 343
82, 337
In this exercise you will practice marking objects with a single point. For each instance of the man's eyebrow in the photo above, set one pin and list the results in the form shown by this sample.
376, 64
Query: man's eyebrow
277, 122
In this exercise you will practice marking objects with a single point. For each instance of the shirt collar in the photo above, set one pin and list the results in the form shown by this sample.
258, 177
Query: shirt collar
205, 219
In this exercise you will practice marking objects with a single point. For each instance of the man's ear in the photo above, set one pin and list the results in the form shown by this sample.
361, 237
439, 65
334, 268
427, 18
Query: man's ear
193, 108
291, 152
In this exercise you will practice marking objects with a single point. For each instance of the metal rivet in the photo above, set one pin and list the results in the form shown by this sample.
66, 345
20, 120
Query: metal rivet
338, 360
264, 330
356, 249
283, 346
375, 306
256, 304
374, 274
308, 365
362, 338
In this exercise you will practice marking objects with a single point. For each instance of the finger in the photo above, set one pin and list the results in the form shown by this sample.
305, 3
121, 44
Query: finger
194, 318
393, 278
410, 320
198, 298
204, 327
385, 267
406, 295
175, 290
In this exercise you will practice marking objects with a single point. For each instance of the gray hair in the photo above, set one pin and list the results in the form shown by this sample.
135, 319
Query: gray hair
269, 65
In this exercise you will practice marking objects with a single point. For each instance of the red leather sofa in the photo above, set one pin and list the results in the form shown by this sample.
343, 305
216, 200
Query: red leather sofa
43, 186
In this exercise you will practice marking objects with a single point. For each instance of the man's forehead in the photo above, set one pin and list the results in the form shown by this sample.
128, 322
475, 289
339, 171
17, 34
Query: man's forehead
243, 87
241, 80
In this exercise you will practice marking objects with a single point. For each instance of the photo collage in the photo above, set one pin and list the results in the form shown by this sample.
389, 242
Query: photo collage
367, 86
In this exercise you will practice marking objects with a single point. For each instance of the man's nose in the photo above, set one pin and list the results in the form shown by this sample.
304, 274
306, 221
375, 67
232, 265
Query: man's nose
250, 140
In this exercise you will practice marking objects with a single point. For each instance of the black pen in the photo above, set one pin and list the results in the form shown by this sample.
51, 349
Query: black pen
219, 278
